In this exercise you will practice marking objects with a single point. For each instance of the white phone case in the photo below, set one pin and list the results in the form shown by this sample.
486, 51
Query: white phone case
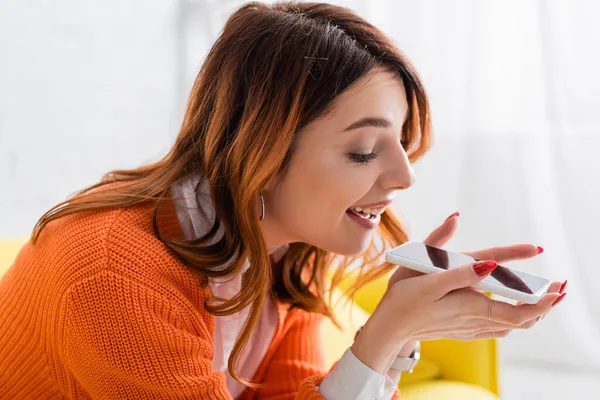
488, 287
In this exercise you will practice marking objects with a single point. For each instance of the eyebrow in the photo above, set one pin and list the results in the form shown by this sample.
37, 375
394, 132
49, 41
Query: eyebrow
375, 122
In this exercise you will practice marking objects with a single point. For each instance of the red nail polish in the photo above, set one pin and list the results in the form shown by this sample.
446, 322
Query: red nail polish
562, 296
540, 249
485, 267
456, 213
563, 286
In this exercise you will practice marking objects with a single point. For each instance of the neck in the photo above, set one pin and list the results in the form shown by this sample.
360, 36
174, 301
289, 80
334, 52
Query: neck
273, 236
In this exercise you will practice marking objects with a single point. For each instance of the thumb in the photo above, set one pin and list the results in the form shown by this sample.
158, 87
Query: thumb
462, 276
444, 232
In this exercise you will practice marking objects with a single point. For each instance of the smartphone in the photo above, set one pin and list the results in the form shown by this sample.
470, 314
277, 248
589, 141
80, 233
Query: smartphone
508, 282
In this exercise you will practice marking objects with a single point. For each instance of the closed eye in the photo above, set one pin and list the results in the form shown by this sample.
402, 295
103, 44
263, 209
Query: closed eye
362, 158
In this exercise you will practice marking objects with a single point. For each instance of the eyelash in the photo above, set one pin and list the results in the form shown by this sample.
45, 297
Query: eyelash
362, 158
365, 158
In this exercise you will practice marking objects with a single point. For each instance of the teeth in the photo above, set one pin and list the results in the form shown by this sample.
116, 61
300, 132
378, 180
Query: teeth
373, 211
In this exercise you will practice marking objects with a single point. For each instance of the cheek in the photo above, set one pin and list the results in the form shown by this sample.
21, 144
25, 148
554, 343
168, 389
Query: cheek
313, 198
329, 187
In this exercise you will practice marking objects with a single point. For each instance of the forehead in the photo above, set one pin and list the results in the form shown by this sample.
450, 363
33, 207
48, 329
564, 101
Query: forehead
379, 94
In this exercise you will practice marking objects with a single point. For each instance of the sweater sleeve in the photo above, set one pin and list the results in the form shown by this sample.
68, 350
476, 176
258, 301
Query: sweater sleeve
298, 365
122, 339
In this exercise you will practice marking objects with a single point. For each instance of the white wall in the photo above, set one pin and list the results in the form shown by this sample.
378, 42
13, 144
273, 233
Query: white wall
85, 87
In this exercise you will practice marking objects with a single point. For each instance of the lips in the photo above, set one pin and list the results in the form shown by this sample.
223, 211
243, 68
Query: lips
383, 203
362, 214
368, 215
367, 212
366, 220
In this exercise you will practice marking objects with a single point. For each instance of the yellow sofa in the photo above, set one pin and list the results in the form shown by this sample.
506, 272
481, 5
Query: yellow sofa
447, 370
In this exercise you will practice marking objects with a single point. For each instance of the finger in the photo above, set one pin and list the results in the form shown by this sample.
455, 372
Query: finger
496, 326
554, 288
402, 273
488, 327
443, 233
563, 286
493, 334
465, 337
442, 283
514, 315
505, 253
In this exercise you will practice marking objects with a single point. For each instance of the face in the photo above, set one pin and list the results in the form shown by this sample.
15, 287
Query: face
344, 172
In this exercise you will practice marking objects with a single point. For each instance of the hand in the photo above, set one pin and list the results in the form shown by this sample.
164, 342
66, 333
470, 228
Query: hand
437, 238
440, 305
444, 233
450, 308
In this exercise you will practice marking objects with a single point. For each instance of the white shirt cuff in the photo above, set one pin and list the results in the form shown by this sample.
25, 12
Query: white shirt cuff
351, 379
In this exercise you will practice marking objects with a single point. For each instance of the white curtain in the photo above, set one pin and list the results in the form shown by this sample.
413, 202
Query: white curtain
514, 87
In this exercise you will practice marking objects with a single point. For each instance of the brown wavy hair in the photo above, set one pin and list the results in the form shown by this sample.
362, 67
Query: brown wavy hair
273, 69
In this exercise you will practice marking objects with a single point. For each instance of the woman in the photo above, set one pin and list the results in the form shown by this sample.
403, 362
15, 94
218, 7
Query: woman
204, 275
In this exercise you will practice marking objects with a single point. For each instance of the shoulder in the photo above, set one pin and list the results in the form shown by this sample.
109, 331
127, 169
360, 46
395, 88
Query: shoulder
120, 241
88, 238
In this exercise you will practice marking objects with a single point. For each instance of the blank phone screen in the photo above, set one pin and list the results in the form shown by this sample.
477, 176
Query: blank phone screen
501, 276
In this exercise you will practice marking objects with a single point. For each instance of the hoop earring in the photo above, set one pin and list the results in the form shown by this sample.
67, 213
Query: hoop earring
262, 203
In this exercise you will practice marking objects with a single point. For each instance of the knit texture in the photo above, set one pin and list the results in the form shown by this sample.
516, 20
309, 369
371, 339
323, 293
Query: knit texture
99, 308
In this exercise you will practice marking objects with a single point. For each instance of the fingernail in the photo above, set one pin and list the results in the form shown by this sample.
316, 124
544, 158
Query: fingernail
456, 213
563, 286
485, 267
540, 249
562, 296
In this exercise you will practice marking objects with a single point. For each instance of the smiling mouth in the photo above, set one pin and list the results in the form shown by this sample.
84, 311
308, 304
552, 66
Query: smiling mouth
370, 213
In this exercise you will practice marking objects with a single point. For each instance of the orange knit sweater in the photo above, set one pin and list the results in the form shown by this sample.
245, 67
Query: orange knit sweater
99, 309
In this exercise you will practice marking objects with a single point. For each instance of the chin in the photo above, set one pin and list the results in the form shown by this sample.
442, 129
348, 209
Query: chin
351, 247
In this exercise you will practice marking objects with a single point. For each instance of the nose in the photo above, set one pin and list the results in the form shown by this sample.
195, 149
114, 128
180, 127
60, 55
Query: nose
399, 174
